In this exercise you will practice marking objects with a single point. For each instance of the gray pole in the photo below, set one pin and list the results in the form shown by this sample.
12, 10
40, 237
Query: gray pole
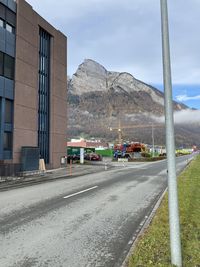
81, 155
175, 242
153, 140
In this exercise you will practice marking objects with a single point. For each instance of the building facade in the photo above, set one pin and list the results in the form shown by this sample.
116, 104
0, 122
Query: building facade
33, 79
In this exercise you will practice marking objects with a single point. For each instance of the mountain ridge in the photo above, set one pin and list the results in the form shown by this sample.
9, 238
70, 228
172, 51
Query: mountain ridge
99, 98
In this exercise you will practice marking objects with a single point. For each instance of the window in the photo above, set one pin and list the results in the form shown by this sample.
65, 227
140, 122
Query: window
9, 66
1, 23
44, 93
10, 28
7, 141
7, 19
10, 17
2, 11
1, 63
8, 111
0, 113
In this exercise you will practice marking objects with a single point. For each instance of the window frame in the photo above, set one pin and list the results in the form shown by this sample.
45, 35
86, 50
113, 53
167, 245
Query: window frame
8, 17
2, 11
1, 63
7, 142
6, 70
8, 118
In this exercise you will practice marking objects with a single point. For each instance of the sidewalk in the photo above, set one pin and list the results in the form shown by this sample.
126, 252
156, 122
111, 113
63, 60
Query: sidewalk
61, 173
68, 172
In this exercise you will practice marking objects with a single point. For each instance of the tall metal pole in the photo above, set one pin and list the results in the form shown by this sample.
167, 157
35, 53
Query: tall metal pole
120, 132
153, 147
175, 242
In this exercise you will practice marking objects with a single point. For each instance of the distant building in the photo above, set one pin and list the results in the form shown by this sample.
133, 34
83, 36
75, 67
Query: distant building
33, 107
87, 143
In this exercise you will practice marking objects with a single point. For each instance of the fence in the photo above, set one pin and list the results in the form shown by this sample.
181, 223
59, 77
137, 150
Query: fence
8, 169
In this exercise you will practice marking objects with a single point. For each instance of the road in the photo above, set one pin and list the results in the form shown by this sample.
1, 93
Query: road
85, 221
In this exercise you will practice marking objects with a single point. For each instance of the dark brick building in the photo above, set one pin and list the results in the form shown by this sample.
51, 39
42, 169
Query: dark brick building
33, 108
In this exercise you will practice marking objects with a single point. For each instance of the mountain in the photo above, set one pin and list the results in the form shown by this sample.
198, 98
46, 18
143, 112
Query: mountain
99, 99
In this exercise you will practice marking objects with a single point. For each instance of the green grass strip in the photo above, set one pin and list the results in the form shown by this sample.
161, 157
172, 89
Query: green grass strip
153, 247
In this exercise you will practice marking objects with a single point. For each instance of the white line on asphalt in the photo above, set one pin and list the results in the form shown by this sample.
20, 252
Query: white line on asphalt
80, 192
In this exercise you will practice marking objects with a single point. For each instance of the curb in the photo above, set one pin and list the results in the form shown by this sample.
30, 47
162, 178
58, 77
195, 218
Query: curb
21, 182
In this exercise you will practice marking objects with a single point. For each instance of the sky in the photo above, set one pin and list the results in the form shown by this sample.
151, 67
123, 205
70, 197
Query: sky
125, 36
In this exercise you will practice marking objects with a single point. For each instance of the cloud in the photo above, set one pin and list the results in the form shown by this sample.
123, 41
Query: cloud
125, 35
182, 98
186, 116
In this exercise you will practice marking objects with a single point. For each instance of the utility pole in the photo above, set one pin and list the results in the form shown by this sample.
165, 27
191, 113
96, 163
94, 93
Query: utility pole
120, 132
153, 146
175, 242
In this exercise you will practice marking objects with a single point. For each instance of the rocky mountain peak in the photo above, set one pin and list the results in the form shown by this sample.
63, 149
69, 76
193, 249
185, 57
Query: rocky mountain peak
89, 77
90, 66
93, 77
98, 98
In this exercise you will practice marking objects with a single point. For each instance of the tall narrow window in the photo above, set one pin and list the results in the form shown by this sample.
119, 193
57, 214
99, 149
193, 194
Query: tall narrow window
8, 111
0, 118
9, 66
7, 141
44, 93
1, 63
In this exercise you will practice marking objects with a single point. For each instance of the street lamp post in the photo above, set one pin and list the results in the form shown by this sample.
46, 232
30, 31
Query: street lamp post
153, 146
175, 242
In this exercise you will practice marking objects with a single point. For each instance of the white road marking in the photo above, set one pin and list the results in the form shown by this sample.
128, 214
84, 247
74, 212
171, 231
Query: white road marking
80, 192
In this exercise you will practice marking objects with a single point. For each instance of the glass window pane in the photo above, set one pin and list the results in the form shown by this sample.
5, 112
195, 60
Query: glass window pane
1, 23
0, 112
8, 67
10, 17
8, 111
7, 141
2, 11
8, 28
44, 88
1, 63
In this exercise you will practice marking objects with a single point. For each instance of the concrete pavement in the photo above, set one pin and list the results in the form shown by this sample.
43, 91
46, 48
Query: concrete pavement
89, 220
70, 171
112, 213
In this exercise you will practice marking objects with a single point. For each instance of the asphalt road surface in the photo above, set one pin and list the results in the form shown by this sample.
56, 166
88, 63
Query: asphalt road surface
85, 221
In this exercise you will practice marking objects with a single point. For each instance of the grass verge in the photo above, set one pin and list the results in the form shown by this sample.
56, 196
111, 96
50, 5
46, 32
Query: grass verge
152, 248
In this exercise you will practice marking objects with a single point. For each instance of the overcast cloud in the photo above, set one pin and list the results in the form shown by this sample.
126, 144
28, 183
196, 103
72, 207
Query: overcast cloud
187, 116
125, 35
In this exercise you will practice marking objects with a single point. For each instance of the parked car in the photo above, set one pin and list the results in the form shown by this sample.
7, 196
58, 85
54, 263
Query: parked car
92, 156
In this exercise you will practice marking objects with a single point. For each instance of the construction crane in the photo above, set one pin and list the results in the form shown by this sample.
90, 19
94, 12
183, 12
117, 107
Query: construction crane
120, 127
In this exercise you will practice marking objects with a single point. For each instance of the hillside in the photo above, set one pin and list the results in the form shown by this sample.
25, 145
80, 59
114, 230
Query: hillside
99, 99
